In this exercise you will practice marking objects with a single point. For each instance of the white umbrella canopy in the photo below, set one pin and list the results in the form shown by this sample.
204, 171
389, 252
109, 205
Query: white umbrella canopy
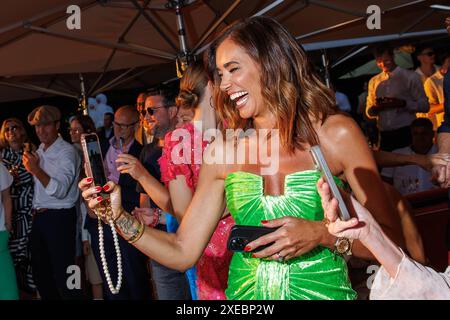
124, 38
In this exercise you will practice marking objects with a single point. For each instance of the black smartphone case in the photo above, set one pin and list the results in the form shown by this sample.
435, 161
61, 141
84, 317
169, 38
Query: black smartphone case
241, 235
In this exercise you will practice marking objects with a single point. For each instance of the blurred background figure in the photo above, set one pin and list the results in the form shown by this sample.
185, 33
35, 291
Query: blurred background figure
98, 109
394, 96
412, 179
426, 57
434, 89
13, 142
106, 132
144, 134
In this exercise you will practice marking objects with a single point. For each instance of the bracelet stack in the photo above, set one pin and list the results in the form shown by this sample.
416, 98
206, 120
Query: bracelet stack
135, 237
156, 217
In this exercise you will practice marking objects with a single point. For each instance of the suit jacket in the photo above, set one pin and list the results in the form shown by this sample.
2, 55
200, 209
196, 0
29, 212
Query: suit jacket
130, 198
104, 139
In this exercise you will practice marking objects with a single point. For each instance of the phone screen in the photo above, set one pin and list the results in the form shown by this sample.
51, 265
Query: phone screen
93, 154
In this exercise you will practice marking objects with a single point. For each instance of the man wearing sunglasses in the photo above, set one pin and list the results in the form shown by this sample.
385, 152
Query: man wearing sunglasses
427, 59
142, 136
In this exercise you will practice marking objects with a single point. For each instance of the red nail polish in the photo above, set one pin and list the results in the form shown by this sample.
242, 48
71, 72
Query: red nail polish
264, 221
247, 248
106, 187
98, 189
253, 255
89, 180
99, 199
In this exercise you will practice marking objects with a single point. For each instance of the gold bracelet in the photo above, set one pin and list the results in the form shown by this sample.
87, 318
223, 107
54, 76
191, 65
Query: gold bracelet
135, 237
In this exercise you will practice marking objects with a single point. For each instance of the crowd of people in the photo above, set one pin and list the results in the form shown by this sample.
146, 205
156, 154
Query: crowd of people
174, 212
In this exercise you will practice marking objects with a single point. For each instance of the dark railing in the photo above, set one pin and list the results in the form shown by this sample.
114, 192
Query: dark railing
432, 215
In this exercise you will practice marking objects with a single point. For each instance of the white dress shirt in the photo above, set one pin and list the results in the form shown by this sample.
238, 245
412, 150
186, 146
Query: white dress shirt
410, 179
401, 84
62, 164
434, 89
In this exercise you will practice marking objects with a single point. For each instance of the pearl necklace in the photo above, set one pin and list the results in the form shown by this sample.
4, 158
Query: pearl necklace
116, 289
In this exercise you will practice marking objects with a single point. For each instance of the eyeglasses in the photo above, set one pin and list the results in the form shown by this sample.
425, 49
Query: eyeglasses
125, 126
11, 129
76, 131
150, 111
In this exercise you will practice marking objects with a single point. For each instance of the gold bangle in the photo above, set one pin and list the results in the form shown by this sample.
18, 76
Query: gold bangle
135, 237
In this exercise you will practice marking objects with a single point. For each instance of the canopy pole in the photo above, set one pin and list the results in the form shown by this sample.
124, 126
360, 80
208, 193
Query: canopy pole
185, 57
82, 99
325, 64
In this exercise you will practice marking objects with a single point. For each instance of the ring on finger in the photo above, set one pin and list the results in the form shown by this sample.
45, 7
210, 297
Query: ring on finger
280, 258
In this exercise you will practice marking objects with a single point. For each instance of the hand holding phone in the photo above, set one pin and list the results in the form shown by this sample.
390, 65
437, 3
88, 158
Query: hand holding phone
322, 166
241, 235
93, 159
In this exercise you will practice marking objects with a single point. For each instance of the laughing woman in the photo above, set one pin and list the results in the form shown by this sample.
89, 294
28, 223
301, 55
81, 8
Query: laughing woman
263, 80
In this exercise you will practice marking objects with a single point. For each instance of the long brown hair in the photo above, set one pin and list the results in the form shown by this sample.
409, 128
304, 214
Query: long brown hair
289, 85
17, 122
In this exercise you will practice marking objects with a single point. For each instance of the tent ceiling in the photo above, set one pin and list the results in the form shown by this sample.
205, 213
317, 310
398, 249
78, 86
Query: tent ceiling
115, 37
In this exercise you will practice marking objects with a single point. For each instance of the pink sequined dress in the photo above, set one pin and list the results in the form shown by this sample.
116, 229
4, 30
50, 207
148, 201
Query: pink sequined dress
212, 268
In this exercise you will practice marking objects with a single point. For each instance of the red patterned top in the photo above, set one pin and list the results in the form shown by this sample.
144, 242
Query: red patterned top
182, 155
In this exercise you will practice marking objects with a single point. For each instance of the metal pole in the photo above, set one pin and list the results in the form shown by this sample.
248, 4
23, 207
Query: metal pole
326, 70
82, 101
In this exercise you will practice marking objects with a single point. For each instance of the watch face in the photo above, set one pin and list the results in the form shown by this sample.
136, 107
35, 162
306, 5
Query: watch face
343, 246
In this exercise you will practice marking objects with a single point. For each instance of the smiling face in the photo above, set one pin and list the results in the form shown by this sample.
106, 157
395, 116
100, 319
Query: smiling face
14, 134
240, 80
47, 132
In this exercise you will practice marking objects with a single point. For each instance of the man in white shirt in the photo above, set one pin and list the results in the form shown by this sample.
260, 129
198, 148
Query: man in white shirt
427, 59
395, 96
434, 89
412, 179
55, 167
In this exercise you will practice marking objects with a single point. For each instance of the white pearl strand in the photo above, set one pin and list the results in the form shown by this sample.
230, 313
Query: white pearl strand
114, 290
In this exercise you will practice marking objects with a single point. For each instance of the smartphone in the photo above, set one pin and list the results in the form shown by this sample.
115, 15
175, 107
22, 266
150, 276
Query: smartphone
27, 147
322, 166
122, 144
93, 159
241, 235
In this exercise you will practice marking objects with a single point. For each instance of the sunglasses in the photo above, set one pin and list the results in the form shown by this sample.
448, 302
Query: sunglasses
125, 126
150, 111
430, 54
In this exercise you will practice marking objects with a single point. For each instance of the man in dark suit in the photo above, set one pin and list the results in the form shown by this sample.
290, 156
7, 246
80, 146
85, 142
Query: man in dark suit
136, 283
106, 132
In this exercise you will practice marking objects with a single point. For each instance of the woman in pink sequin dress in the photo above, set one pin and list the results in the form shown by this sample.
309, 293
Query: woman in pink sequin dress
180, 166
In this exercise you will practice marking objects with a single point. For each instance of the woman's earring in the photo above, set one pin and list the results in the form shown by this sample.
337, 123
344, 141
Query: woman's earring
211, 103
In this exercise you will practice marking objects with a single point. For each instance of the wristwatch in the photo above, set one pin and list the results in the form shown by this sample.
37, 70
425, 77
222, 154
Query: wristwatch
343, 246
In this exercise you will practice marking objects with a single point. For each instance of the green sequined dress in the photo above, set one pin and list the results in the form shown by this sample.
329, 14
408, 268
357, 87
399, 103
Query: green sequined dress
318, 274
